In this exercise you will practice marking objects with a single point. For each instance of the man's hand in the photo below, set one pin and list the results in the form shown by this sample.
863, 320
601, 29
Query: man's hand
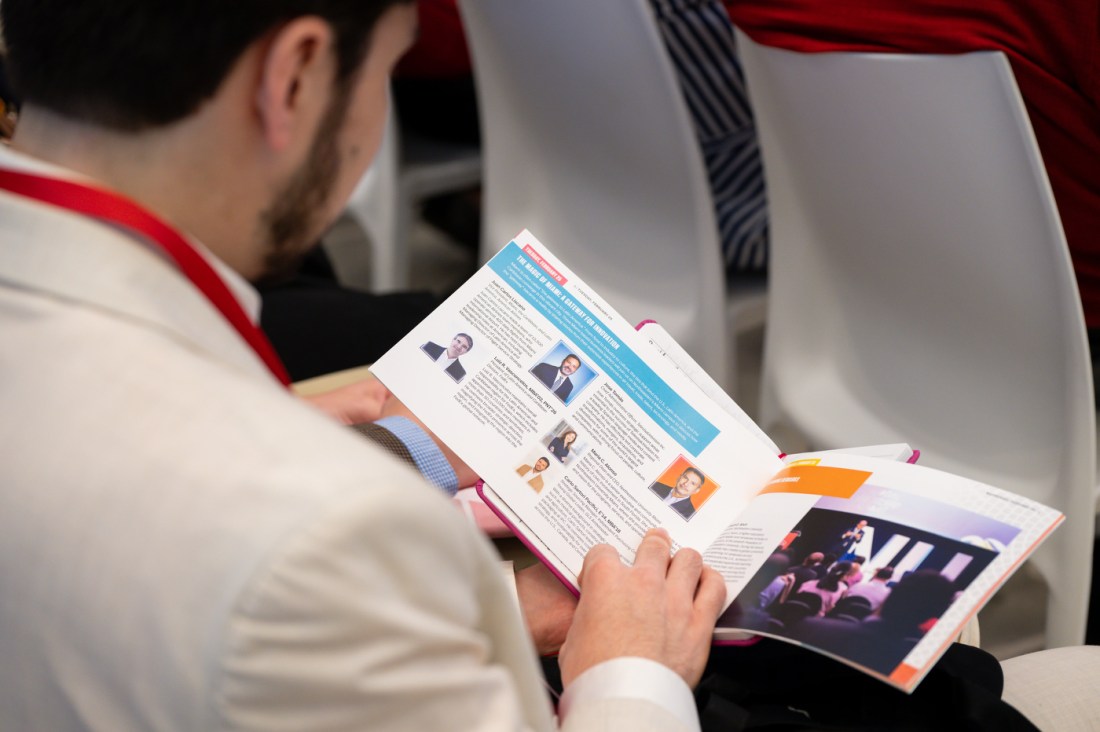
547, 605
395, 408
353, 404
663, 608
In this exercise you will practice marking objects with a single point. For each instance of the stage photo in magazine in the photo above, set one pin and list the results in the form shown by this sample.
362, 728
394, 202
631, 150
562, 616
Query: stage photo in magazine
856, 585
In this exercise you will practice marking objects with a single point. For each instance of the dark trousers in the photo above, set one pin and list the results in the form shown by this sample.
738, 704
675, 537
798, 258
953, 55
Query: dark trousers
780, 687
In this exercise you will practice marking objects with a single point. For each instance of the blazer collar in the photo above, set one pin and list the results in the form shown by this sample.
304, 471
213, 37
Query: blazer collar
70, 257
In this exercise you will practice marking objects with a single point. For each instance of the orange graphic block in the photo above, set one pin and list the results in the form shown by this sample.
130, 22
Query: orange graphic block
817, 480
903, 674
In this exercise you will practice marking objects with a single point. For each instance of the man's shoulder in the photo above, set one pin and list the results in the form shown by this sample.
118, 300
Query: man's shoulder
223, 496
870, 588
545, 372
183, 414
685, 507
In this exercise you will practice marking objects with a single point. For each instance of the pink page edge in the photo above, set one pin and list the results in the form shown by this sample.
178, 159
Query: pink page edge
479, 487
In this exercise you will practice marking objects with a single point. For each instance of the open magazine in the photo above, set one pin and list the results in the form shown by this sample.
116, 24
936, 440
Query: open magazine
588, 431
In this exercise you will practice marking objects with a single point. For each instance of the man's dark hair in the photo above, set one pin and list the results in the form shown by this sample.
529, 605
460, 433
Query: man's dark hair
884, 573
916, 598
831, 581
574, 357
134, 64
698, 473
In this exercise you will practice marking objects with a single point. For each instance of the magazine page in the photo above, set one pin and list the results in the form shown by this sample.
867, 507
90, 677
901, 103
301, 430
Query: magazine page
663, 343
886, 564
582, 430
898, 451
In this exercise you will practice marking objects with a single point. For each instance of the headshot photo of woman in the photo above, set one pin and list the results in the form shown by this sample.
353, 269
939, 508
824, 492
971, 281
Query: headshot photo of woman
561, 445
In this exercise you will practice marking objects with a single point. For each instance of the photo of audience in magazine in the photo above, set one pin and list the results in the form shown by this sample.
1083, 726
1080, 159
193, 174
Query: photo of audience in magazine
858, 586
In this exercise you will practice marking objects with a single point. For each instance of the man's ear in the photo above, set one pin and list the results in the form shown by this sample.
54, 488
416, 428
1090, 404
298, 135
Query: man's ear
296, 72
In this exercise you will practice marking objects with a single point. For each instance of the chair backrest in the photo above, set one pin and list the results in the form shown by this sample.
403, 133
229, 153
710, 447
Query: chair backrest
588, 143
920, 287
850, 608
407, 169
799, 606
374, 207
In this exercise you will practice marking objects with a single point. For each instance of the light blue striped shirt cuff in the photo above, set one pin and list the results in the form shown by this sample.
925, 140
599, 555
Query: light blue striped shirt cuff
425, 453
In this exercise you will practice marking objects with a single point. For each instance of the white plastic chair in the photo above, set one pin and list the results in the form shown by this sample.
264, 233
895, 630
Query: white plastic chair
588, 143
920, 286
1056, 689
407, 170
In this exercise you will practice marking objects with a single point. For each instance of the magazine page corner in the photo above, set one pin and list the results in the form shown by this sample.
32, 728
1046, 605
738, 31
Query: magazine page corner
884, 563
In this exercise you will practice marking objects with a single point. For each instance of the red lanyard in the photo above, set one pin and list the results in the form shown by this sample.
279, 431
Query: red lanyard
116, 209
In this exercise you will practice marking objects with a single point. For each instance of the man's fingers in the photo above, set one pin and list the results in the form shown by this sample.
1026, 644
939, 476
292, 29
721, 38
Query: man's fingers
662, 608
654, 551
684, 572
710, 597
701, 589
377, 390
597, 555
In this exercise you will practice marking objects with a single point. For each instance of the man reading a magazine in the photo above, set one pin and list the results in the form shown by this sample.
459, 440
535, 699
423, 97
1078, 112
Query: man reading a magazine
187, 545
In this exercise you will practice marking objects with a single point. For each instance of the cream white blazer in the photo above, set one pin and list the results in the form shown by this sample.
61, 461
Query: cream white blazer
185, 546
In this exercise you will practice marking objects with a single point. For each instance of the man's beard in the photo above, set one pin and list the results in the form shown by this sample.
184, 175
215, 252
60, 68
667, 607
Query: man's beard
292, 224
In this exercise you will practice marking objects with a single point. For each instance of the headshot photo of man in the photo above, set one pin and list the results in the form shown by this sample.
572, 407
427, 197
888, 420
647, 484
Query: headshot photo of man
447, 357
535, 471
678, 496
556, 377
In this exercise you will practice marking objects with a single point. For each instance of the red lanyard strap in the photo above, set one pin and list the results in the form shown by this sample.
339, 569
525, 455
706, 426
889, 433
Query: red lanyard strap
116, 209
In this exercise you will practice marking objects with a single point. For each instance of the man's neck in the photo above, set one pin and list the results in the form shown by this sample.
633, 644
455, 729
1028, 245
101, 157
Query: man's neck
168, 170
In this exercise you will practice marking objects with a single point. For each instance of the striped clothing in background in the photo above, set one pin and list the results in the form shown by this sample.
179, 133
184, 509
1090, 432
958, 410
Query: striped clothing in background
699, 37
